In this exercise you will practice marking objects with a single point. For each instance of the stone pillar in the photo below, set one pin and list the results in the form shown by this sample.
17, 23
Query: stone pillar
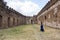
15, 21
11, 22
4, 22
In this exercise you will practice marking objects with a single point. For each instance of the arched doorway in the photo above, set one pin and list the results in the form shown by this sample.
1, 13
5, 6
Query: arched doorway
17, 22
0, 21
13, 21
8, 21
31, 21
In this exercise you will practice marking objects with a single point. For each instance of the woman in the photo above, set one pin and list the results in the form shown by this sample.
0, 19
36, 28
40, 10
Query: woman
41, 27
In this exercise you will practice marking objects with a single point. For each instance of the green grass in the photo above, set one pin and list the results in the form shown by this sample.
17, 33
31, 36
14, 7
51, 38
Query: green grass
12, 31
29, 32
16, 32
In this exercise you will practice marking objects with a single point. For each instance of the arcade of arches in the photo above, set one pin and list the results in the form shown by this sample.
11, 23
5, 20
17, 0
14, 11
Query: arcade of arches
10, 17
49, 15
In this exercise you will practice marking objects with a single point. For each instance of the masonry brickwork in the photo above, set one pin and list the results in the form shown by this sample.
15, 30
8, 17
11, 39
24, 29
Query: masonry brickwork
9, 17
50, 14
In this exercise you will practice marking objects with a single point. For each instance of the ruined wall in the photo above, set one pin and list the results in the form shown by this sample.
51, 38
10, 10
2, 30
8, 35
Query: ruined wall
29, 20
51, 16
10, 17
35, 19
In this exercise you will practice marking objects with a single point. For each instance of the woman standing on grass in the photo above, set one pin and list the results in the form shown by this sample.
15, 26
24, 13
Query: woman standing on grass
41, 27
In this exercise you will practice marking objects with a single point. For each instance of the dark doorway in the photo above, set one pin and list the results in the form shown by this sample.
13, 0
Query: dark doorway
13, 21
31, 21
8, 21
0, 21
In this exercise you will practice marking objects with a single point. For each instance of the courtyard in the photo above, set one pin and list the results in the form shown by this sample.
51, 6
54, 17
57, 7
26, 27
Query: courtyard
29, 32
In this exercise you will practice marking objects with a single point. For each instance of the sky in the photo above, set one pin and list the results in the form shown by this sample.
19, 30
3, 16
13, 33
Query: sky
27, 7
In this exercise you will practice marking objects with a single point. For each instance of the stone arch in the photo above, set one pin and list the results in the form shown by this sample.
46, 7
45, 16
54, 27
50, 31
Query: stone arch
13, 21
17, 21
31, 21
0, 21
8, 21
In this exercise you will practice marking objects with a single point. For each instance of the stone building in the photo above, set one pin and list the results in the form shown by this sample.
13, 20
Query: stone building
50, 14
29, 20
9, 17
35, 19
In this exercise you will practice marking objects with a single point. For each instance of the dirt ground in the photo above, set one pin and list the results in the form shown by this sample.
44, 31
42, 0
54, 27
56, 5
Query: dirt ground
29, 32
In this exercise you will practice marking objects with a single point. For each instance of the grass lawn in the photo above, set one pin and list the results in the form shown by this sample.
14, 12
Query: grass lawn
23, 32
29, 32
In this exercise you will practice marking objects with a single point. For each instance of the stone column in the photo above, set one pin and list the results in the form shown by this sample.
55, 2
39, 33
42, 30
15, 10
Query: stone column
4, 22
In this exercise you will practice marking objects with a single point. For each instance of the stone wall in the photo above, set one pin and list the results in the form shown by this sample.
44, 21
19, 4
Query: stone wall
35, 19
29, 20
10, 17
51, 16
